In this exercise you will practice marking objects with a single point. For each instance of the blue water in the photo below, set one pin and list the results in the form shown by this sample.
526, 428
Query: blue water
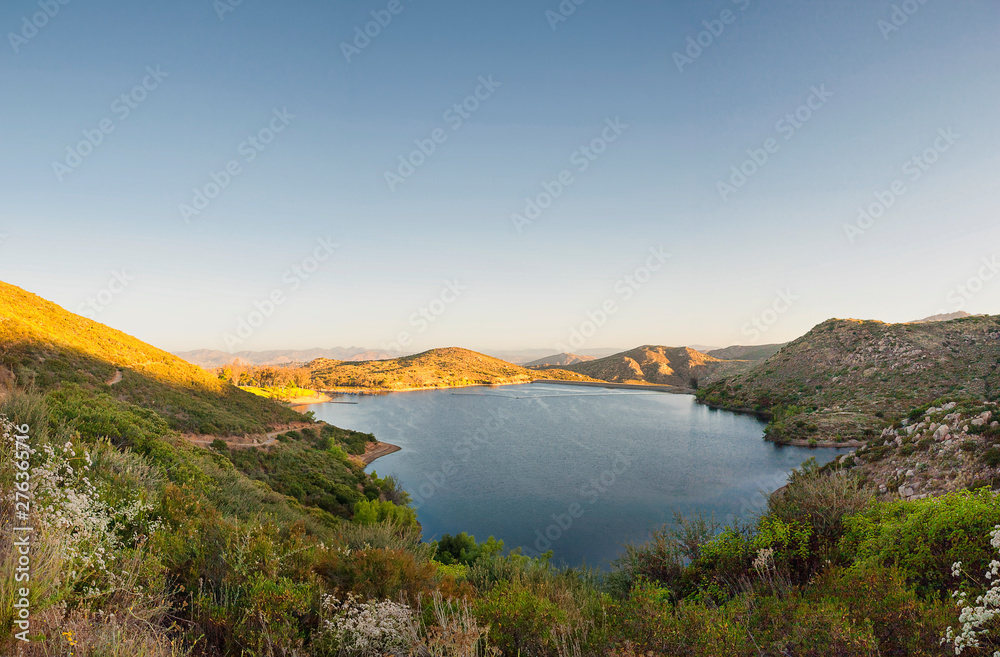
578, 470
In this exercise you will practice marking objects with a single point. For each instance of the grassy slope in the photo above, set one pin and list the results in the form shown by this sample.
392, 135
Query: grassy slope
436, 368
847, 378
45, 345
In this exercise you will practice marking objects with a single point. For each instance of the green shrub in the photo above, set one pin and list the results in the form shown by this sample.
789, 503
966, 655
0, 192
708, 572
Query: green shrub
923, 538
520, 621
903, 624
370, 512
820, 501
991, 457
463, 549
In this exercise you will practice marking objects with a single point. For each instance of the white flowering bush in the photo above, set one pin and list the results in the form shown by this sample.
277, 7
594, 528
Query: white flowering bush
91, 534
977, 617
352, 628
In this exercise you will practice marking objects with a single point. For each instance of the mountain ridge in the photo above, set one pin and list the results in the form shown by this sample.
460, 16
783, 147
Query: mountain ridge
846, 378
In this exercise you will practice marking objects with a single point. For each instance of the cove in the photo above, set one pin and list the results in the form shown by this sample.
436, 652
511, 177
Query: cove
578, 470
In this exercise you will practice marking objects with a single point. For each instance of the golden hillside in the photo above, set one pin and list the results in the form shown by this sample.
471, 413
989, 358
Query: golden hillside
50, 347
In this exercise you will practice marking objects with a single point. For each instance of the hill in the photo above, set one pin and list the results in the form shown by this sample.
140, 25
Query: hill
437, 368
559, 360
845, 379
746, 352
50, 348
214, 358
674, 366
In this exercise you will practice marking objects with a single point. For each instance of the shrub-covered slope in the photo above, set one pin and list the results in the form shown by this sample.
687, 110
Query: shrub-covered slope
846, 378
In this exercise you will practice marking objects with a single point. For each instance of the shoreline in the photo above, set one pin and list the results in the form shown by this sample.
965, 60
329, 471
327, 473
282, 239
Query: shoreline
594, 384
318, 398
387, 391
803, 442
377, 451
676, 390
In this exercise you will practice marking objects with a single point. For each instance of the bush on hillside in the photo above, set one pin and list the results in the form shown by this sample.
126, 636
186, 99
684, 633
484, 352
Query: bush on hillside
923, 538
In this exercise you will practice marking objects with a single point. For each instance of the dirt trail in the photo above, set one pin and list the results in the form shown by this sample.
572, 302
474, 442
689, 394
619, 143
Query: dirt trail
246, 442
372, 451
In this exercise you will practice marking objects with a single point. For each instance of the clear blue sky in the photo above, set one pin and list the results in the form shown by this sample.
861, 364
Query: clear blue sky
884, 95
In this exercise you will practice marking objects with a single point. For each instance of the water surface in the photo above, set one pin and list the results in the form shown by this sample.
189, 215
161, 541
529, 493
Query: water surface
578, 470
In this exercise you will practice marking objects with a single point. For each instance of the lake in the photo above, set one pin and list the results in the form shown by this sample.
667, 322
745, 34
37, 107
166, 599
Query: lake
577, 470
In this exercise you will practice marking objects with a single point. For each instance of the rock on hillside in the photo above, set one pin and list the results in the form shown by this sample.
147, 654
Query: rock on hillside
846, 379
933, 451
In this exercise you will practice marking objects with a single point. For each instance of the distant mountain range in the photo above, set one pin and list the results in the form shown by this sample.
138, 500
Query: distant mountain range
215, 358
528, 356
944, 317
559, 359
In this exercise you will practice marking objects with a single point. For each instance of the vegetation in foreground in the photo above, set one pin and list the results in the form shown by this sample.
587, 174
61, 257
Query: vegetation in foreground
147, 545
